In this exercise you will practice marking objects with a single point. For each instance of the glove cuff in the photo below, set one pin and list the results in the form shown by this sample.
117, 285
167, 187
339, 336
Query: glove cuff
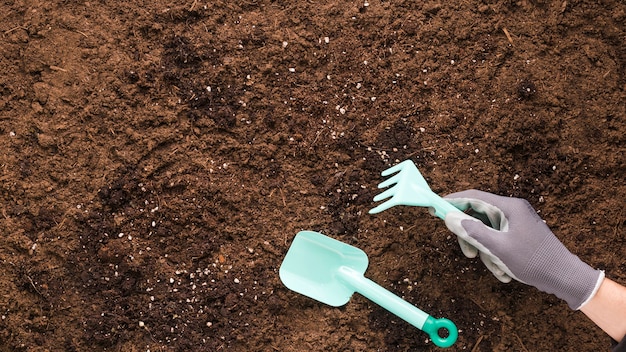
595, 290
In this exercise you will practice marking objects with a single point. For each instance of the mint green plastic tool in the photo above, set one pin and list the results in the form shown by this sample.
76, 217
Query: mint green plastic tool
409, 188
331, 271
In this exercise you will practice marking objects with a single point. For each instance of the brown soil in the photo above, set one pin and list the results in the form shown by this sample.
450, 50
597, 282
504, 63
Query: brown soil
158, 158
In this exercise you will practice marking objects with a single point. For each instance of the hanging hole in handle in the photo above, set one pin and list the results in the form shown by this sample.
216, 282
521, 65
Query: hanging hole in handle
442, 331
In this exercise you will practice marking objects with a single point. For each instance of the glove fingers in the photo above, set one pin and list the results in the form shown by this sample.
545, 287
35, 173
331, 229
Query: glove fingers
467, 249
494, 268
488, 213
496, 207
473, 231
460, 203
486, 197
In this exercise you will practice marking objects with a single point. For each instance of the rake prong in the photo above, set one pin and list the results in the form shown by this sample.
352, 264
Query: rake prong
382, 207
394, 168
390, 181
384, 195
409, 188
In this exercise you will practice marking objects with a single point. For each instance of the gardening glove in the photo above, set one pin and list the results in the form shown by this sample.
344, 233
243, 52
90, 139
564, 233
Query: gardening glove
514, 242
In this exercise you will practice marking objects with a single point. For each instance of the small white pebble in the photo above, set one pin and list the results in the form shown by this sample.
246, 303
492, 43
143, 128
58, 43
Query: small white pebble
285, 44
236, 281
141, 324
326, 40
291, 69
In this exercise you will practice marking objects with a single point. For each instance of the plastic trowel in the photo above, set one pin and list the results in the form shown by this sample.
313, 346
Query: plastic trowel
331, 271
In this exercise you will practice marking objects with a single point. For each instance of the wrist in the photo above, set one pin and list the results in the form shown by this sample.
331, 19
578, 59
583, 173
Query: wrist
607, 308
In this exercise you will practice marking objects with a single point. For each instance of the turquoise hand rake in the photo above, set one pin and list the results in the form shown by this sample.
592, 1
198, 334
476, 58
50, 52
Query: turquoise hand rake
331, 271
409, 188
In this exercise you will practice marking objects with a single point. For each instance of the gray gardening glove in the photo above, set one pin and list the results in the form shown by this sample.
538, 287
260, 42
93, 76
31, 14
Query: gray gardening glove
518, 244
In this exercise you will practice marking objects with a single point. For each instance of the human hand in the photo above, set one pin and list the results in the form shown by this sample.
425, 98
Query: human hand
514, 242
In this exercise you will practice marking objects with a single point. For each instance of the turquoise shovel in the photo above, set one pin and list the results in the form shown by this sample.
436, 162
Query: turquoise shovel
409, 188
331, 271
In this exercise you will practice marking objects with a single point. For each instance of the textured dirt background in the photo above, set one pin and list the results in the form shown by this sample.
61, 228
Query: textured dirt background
158, 157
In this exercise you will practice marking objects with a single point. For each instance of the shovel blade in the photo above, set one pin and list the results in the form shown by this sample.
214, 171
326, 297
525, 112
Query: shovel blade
312, 263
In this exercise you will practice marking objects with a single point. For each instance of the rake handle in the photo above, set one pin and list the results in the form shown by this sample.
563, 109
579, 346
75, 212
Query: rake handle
442, 207
400, 307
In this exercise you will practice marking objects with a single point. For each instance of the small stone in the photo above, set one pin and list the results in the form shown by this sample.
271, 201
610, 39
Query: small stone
36, 107
45, 141
42, 92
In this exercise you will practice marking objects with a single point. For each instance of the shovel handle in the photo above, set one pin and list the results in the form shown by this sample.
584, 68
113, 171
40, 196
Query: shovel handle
400, 307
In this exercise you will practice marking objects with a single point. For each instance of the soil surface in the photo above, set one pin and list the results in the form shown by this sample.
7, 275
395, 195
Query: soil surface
158, 158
